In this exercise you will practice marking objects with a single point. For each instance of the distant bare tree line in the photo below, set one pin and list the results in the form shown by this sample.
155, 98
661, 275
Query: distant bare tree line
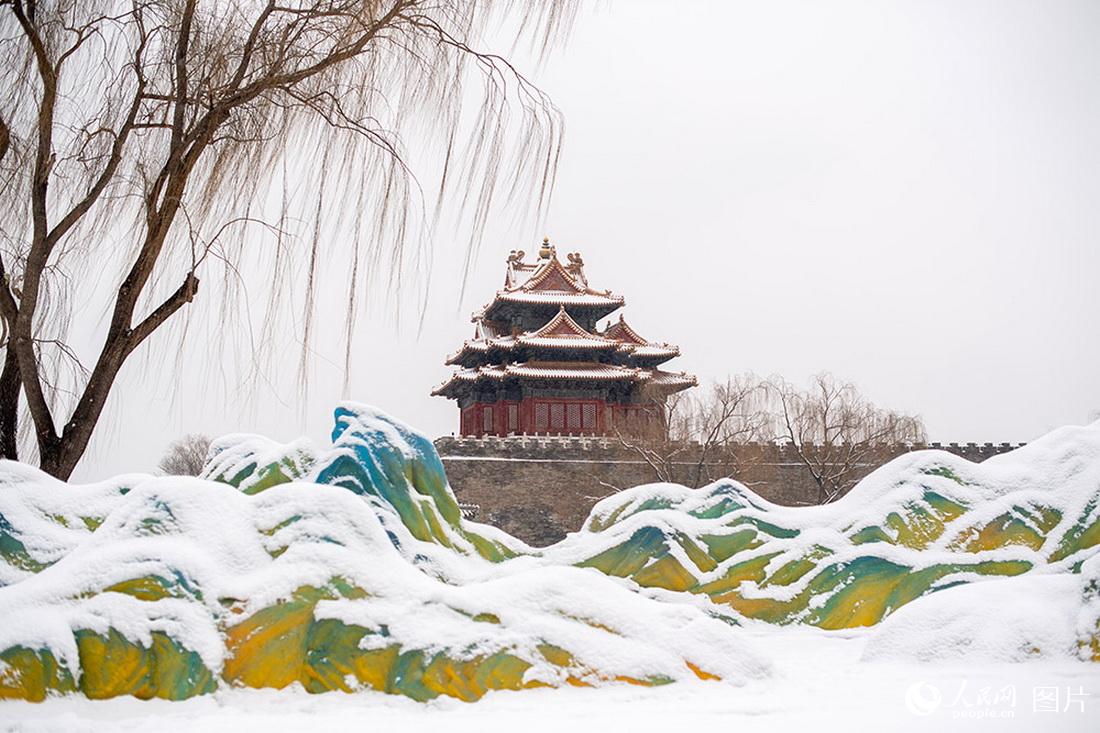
186, 456
832, 429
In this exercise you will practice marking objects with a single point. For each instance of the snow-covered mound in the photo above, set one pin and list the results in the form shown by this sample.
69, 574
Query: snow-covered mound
393, 467
925, 521
351, 567
43, 519
363, 577
1003, 620
253, 463
1032, 616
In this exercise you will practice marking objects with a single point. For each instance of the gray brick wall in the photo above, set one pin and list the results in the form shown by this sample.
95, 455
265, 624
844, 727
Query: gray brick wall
540, 488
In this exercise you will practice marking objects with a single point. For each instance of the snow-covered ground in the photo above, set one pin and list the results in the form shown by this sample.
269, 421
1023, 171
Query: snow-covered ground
819, 684
938, 595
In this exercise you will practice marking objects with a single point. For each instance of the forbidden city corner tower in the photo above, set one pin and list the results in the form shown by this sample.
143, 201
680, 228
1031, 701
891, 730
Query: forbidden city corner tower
538, 365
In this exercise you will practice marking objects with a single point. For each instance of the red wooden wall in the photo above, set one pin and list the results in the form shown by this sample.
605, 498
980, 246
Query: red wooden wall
552, 416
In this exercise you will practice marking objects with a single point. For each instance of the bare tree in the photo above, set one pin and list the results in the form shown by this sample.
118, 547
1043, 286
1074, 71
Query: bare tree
186, 456
732, 429
698, 441
660, 443
140, 139
836, 432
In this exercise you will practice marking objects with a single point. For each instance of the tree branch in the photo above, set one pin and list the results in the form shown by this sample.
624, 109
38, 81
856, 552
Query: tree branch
184, 294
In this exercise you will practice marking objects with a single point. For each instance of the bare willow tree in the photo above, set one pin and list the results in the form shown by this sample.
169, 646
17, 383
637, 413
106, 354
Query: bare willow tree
186, 456
733, 428
140, 141
836, 432
700, 440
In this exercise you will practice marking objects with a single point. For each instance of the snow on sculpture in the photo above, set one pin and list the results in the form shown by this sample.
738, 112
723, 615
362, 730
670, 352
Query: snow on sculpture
351, 568
925, 521
366, 576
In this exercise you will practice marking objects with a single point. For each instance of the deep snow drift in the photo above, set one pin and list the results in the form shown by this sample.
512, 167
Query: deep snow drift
350, 568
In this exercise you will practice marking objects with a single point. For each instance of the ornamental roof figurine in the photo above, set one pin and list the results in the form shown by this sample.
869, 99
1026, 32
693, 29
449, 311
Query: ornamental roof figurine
545, 285
537, 363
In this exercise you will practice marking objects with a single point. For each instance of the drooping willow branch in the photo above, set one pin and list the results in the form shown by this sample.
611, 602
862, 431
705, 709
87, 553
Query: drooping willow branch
135, 131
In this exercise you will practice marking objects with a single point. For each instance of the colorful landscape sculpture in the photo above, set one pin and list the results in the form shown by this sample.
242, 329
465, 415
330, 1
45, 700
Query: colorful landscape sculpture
351, 567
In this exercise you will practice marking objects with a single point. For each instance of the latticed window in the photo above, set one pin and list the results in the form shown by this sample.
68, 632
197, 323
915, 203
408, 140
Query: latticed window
588, 416
557, 416
573, 416
513, 418
542, 416
487, 419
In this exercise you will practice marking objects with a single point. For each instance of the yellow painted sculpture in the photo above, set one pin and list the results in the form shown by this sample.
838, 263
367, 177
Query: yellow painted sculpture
351, 568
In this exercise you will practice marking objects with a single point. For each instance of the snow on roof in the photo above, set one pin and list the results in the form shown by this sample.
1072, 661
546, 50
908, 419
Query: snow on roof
518, 271
566, 342
634, 343
587, 370
658, 378
562, 330
540, 370
549, 282
482, 345
650, 350
534, 274
485, 329
570, 370
551, 275
621, 331
551, 297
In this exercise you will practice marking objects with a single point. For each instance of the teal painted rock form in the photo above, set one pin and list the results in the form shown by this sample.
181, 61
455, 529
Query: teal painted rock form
43, 519
923, 522
359, 575
350, 567
376, 456
253, 463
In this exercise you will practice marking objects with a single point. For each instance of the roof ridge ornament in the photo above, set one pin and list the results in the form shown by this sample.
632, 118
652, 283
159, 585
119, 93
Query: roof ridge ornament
553, 275
576, 268
546, 251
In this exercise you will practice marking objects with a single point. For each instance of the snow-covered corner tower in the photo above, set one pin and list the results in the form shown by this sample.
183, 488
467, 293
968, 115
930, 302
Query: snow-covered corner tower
537, 364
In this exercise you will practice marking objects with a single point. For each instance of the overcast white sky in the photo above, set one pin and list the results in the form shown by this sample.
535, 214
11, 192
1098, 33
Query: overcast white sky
903, 193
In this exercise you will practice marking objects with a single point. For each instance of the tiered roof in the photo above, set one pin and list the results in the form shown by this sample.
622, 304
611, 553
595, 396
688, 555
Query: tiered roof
544, 370
631, 343
568, 370
561, 332
547, 283
562, 349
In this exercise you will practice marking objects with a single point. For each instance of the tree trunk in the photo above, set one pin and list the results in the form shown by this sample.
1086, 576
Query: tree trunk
9, 406
9, 379
59, 457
